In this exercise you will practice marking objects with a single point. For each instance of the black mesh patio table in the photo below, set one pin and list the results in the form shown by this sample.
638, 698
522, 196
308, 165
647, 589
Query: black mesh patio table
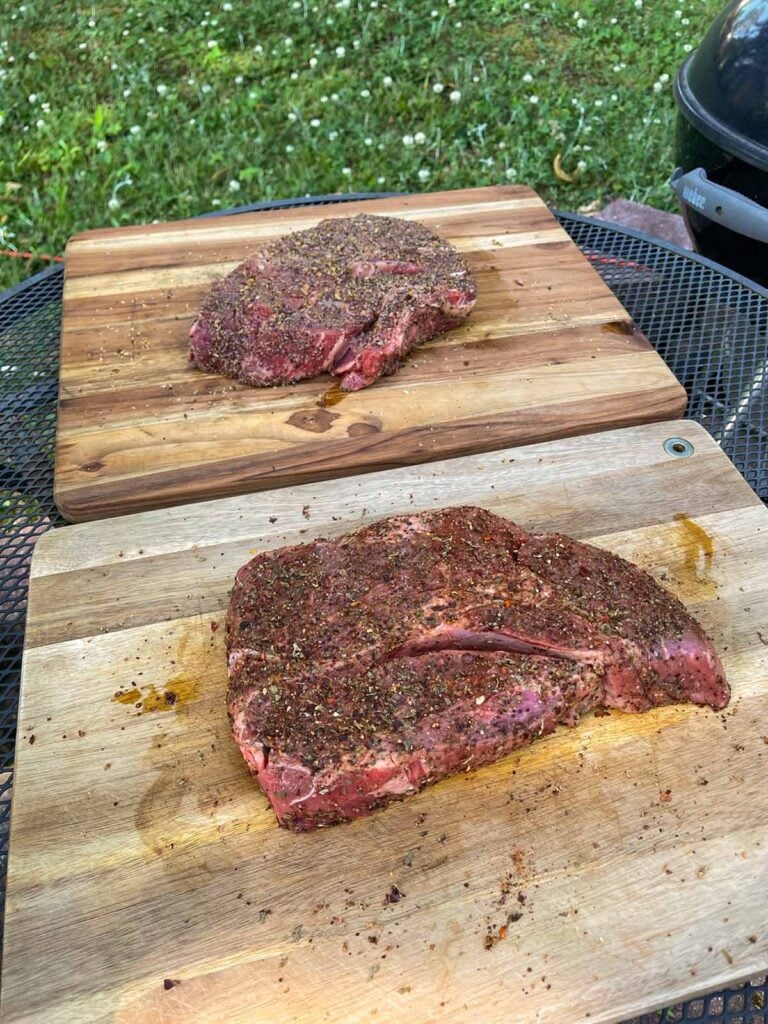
711, 327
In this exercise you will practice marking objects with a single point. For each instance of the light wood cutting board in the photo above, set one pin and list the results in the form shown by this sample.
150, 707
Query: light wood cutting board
548, 352
149, 882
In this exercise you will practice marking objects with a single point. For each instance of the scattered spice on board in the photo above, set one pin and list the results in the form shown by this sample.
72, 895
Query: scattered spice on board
263, 915
394, 895
169, 983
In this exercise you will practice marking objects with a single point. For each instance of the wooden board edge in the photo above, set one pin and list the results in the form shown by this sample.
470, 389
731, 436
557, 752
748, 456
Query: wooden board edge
388, 450
100, 234
687, 428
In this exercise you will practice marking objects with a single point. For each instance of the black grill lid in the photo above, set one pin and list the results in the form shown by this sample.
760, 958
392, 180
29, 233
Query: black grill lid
722, 88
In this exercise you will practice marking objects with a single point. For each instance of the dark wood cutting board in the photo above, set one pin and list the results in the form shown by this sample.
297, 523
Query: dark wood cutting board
548, 352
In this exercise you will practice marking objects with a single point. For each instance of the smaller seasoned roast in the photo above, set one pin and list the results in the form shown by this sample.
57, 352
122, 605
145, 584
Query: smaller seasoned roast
351, 297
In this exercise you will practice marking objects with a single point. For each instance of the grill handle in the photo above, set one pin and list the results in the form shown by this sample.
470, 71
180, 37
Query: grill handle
720, 204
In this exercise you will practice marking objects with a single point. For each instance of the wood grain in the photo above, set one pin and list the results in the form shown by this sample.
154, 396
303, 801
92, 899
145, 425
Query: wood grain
548, 352
142, 854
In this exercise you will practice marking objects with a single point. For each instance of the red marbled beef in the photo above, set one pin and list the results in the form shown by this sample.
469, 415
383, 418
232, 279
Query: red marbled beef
364, 667
351, 296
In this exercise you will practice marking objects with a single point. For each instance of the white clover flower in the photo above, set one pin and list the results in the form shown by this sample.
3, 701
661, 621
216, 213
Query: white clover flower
386, 81
342, 5
678, 14
234, 185
451, 3
374, 4
141, 41
581, 166
581, 23
614, 21
206, 88
215, 202
313, 62
438, 87
294, 75
687, 48
528, 77
340, 51
598, 103
45, 107
501, 145
333, 135
253, 95
315, 122
335, 97
192, 120
226, 7
368, 141
239, 80
114, 203
296, 5
617, 67
434, 14
31, 55
511, 173
289, 148
126, 93
638, 4
347, 172
258, 48
533, 99
39, 123
162, 90
135, 129
685, 21
657, 86
380, 181
419, 138
455, 96
287, 41
211, 44
424, 174
365, 93
101, 145
32, 97
614, 97
356, 44
292, 116
408, 140
664, 78
82, 46
526, 6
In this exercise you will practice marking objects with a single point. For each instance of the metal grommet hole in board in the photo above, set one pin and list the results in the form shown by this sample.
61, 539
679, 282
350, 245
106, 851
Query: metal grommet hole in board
678, 447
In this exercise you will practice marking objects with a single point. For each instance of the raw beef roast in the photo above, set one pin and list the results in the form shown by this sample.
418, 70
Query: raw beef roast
364, 667
351, 296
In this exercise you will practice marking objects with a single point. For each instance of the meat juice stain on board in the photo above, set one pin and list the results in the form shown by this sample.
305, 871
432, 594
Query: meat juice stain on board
332, 396
698, 552
184, 764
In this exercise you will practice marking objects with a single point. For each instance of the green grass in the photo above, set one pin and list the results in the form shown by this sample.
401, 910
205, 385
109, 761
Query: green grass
115, 114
